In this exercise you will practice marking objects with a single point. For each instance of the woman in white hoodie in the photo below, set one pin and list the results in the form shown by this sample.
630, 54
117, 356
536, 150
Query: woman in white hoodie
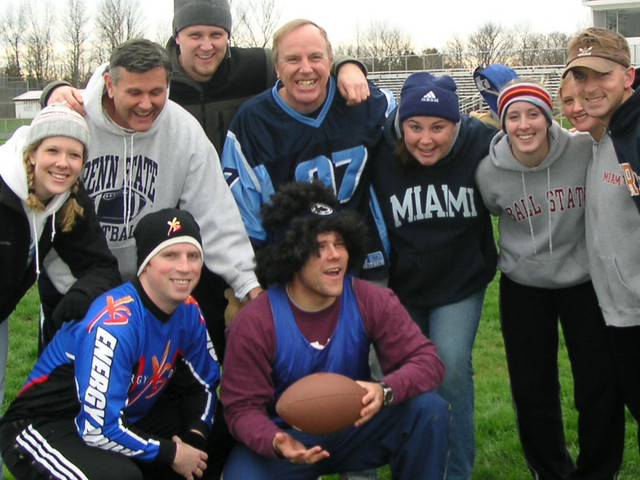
44, 206
534, 180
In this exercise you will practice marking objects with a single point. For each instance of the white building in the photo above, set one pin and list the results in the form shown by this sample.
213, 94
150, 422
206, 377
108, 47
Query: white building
622, 16
27, 105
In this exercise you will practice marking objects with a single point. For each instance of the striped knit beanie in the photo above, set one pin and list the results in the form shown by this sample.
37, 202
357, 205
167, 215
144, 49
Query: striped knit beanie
525, 92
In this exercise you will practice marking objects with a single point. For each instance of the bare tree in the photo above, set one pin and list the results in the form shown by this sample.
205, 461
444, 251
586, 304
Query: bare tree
454, 50
162, 32
556, 45
74, 36
39, 61
527, 46
12, 30
356, 49
381, 46
432, 58
255, 22
489, 44
116, 22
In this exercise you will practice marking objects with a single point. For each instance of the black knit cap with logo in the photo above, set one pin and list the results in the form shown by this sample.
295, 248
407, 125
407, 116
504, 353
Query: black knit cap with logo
160, 229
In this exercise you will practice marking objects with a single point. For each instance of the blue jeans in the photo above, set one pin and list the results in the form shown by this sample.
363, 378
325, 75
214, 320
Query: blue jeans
4, 352
411, 437
453, 329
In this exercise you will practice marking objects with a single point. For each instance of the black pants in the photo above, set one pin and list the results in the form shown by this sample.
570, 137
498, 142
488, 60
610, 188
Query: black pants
529, 319
626, 348
34, 449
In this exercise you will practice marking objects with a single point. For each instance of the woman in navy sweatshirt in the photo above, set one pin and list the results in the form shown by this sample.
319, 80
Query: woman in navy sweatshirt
440, 239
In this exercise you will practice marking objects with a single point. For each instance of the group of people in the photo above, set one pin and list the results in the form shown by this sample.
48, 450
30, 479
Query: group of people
186, 171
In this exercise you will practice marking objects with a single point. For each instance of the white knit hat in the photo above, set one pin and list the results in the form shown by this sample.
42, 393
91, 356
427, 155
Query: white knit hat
58, 120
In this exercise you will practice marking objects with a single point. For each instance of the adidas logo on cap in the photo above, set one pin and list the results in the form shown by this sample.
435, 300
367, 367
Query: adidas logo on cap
430, 97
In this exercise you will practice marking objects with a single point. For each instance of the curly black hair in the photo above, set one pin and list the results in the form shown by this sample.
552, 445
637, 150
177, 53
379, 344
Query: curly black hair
293, 232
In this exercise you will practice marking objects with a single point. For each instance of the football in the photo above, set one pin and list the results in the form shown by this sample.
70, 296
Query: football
321, 403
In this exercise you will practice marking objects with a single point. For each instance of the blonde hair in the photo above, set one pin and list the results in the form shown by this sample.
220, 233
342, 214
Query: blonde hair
563, 83
290, 27
71, 208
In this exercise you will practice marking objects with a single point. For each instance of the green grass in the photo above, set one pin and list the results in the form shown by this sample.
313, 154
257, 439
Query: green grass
10, 125
499, 455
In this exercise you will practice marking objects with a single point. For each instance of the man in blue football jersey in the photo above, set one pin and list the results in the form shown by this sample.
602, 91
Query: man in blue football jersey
301, 130
107, 398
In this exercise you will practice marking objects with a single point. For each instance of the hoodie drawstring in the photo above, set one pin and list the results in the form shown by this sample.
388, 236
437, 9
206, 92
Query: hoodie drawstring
35, 241
549, 208
524, 190
127, 181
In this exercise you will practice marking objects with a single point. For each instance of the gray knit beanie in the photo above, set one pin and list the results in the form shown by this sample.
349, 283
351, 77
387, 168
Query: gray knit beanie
58, 120
216, 13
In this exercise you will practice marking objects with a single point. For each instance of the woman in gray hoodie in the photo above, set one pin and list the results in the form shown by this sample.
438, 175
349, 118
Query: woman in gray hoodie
534, 180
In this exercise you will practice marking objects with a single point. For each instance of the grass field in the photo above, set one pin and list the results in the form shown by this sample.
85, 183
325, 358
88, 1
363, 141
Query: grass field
499, 455
10, 125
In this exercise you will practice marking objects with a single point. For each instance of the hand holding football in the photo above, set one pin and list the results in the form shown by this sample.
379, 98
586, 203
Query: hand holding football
321, 403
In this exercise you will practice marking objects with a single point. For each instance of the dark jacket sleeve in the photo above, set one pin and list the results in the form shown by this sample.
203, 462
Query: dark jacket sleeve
84, 249
340, 60
44, 96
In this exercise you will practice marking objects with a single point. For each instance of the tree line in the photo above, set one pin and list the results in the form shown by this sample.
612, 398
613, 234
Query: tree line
41, 44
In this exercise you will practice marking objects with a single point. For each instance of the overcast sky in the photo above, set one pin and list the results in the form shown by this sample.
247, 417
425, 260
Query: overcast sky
430, 24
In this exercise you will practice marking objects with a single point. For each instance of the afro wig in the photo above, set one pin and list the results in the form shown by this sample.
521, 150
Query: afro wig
293, 225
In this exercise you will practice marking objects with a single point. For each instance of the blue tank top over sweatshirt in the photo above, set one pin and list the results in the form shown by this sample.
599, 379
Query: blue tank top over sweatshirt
346, 353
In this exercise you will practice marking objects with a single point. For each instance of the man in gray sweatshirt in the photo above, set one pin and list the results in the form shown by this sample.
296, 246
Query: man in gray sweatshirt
599, 60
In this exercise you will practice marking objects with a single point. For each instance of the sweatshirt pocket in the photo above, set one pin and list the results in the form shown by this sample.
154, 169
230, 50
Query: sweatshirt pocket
546, 271
622, 289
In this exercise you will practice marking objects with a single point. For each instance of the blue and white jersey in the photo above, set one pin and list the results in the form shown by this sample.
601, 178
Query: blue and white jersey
121, 357
270, 144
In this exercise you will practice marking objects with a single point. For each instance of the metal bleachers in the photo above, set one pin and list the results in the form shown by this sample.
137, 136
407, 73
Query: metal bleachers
470, 99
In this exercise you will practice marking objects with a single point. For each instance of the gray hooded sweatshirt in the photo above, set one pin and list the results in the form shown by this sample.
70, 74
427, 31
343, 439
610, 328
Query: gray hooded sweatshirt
540, 209
613, 236
130, 174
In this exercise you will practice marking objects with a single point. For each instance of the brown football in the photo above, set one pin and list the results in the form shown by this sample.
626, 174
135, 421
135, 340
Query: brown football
321, 403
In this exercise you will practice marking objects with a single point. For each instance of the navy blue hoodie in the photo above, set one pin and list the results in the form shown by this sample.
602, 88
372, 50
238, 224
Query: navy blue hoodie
440, 235
624, 129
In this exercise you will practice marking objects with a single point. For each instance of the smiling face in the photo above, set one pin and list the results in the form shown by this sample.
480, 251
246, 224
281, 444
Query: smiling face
202, 49
57, 163
320, 281
171, 275
527, 127
575, 113
304, 66
601, 93
428, 139
135, 100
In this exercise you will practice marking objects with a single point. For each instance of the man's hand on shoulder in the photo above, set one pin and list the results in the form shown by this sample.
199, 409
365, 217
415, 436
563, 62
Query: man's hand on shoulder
352, 83
189, 462
254, 293
291, 449
68, 95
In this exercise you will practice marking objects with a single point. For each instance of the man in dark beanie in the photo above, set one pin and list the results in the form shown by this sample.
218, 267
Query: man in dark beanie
101, 402
316, 317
